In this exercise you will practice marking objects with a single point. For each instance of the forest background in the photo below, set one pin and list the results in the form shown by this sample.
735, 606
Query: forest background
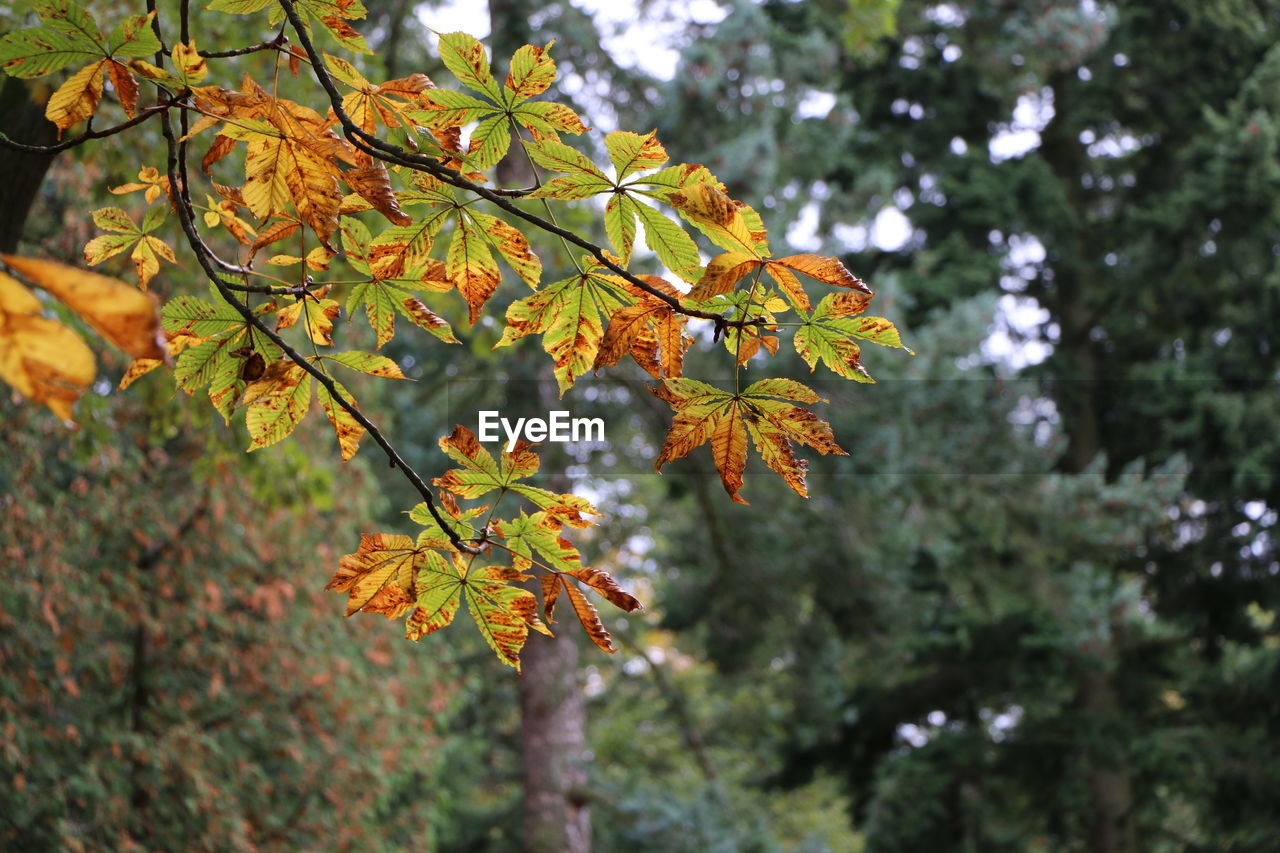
1034, 609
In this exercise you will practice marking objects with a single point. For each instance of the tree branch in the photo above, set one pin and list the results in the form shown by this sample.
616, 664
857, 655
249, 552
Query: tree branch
228, 292
394, 154
276, 43
89, 134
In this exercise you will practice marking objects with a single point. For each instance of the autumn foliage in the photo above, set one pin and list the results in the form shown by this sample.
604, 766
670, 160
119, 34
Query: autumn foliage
373, 203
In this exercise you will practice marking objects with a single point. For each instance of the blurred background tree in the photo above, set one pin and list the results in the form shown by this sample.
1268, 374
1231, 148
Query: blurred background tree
1034, 610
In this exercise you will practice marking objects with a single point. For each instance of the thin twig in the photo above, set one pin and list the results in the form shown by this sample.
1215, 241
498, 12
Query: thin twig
276, 43
88, 135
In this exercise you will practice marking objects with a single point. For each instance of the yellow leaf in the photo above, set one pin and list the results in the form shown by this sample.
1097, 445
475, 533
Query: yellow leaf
189, 63
76, 99
124, 315
138, 368
471, 267
347, 428
725, 221
40, 358
567, 314
276, 403
532, 71
146, 257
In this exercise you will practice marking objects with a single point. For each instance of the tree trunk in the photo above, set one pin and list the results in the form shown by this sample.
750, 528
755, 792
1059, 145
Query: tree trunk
553, 730
1108, 776
553, 724
553, 718
20, 173
1112, 829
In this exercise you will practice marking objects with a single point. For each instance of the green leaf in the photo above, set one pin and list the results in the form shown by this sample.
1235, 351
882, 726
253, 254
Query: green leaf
568, 316
240, 7
548, 118
540, 532
439, 589
37, 52
466, 59
444, 108
674, 247
559, 157
572, 187
194, 316
532, 72
70, 19
620, 224
114, 219
155, 216
367, 362
503, 613
133, 38
830, 337
197, 366
480, 474
489, 141
631, 152
666, 182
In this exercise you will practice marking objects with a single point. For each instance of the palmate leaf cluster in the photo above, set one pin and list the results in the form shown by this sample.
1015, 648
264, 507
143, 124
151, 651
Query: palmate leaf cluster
308, 213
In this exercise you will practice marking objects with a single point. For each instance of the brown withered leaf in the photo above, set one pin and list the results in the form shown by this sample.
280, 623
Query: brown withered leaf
126, 86
725, 271
372, 182
651, 331
603, 583
586, 612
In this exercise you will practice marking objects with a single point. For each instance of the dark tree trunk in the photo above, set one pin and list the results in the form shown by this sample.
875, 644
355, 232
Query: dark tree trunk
20, 173
1108, 776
